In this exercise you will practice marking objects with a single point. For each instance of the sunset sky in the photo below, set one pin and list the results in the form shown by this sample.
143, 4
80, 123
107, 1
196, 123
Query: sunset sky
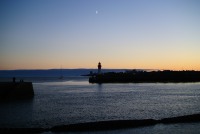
131, 34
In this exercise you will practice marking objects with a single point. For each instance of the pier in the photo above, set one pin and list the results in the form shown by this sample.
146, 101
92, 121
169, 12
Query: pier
146, 77
16, 90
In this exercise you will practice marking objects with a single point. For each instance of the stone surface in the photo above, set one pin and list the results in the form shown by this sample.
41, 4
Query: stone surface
16, 90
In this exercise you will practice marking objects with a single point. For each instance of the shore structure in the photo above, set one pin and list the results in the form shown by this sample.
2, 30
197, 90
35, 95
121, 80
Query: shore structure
106, 125
135, 76
16, 90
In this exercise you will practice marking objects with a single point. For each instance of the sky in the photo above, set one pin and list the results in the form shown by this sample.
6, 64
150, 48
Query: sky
125, 34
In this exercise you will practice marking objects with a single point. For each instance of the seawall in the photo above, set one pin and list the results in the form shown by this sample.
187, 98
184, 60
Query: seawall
16, 90
105, 125
146, 77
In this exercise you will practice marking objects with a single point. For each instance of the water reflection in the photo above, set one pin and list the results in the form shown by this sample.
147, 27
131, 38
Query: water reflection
69, 82
16, 113
99, 87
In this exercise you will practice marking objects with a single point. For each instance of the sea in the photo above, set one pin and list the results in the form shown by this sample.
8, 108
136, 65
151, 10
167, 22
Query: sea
74, 100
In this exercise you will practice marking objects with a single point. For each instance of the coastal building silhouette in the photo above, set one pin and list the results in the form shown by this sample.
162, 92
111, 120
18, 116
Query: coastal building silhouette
99, 68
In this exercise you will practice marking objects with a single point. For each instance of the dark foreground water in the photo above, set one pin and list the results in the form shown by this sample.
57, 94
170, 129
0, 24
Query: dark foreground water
74, 100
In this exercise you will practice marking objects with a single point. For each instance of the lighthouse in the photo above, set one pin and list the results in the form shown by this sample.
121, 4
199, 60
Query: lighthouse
99, 68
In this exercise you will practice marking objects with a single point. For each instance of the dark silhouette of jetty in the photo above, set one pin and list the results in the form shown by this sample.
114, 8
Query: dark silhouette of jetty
121, 124
16, 90
135, 76
106, 125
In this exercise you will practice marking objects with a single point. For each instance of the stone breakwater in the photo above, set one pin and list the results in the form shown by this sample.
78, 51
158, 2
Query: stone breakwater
16, 90
105, 125
146, 77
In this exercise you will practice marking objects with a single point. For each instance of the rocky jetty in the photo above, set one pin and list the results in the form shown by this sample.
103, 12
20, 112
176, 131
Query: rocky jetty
106, 125
143, 76
16, 90
122, 124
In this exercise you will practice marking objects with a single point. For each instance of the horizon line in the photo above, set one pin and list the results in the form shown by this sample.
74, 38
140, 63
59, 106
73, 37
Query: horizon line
102, 69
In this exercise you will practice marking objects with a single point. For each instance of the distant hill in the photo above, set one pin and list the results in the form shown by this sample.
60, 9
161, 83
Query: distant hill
52, 72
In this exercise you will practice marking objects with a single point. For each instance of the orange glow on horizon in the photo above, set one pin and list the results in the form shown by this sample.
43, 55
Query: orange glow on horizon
106, 65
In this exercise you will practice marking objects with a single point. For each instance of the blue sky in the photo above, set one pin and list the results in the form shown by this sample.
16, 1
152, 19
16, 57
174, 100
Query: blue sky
149, 34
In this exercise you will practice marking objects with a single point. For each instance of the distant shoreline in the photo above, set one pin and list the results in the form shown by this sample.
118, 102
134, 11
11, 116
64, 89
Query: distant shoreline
50, 72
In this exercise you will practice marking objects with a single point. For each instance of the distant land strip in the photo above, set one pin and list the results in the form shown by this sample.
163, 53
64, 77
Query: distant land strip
106, 125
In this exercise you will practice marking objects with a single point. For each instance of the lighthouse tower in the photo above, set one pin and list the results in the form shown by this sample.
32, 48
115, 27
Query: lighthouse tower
99, 68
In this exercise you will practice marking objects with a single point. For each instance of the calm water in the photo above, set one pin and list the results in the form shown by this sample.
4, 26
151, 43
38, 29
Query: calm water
74, 100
